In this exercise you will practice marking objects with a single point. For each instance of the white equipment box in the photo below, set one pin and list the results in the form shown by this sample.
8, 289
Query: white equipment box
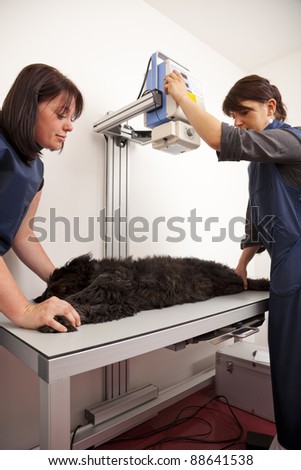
243, 377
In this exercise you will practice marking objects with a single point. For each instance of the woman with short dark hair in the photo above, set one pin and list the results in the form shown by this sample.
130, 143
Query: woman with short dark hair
273, 148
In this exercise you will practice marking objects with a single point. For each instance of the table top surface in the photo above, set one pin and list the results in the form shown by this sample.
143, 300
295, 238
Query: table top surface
143, 323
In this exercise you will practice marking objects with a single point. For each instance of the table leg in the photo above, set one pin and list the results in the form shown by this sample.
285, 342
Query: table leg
55, 414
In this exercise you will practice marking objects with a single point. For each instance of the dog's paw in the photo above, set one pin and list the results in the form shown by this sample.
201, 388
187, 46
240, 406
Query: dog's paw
49, 329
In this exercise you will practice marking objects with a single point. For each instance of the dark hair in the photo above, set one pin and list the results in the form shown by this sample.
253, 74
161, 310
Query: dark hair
35, 84
255, 88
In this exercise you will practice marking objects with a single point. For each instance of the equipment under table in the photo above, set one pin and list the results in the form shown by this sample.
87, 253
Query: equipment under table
55, 358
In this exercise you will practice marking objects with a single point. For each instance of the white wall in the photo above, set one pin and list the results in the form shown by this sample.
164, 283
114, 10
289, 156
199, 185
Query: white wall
104, 47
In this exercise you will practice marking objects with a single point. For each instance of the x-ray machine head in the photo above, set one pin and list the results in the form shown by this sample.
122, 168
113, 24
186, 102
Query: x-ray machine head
170, 129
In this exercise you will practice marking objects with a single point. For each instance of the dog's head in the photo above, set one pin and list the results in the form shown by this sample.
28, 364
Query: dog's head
74, 276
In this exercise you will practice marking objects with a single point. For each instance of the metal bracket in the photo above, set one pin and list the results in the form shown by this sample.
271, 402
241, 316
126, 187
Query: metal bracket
112, 123
123, 133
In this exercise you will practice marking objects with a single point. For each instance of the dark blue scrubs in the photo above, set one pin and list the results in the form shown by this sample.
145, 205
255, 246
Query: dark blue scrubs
276, 214
18, 185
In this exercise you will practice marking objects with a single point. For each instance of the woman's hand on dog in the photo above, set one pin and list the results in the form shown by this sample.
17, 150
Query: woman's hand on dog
241, 271
38, 315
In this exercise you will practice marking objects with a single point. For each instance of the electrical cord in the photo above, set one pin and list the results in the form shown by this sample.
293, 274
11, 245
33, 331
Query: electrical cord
141, 93
73, 436
200, 437
145, 77
157, 107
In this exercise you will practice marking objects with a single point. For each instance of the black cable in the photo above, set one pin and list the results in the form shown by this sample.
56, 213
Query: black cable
145, 77
195, 437
157, 107
149, 91
198, 438
73, 436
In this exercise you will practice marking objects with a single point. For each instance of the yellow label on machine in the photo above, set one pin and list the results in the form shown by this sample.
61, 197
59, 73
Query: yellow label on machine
192, 96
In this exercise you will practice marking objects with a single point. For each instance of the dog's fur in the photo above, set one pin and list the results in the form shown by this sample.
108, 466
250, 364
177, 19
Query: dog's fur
110, 289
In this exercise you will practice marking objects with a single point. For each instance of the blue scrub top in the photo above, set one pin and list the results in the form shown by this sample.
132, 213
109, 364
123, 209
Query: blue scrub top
18, 185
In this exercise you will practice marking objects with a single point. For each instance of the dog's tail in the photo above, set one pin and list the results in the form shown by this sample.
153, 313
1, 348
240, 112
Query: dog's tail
258, 284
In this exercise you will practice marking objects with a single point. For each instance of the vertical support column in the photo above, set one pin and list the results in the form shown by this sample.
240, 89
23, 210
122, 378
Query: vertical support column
116, 198
116, 236
55, 414
116, 376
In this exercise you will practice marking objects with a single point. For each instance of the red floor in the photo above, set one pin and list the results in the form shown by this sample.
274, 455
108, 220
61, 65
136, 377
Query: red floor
200, 421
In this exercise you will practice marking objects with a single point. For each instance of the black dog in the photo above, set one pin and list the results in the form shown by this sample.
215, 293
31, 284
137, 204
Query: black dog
110, 289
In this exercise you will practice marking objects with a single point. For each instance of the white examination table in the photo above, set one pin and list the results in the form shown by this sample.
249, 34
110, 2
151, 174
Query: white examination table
57, 357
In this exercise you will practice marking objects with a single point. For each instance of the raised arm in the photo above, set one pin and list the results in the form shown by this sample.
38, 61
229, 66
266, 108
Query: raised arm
207, 126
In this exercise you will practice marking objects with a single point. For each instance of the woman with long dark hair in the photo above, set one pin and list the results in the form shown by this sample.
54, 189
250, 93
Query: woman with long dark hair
38, 112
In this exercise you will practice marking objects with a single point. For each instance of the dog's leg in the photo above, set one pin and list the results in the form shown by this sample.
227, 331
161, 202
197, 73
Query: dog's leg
106, 288
102, 313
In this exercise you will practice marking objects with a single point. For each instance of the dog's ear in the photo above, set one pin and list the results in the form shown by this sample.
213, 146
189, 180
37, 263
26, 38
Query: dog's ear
80, 260
75, 275
83, 264
75, 265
